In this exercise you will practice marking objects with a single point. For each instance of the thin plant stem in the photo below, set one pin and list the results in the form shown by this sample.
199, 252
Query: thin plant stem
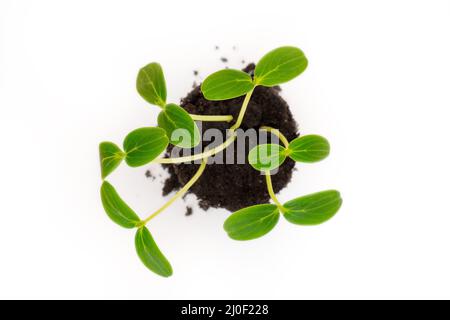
198, 156
178, 194
277, 133
224, 118
271, 192
242, 111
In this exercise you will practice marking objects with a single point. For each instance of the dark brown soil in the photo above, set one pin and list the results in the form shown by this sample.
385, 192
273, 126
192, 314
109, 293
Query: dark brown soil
235, 186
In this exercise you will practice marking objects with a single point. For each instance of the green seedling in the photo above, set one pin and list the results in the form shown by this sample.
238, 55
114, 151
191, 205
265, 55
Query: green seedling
146, 145
255, 221
267, 157
151, 85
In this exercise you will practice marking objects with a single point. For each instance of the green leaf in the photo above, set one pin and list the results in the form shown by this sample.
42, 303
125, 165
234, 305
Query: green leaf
279, 66
252, 222
150, 254
227, 84
116, 208
314, 208
179, 126
110, 157
144, 145
151, 84
310, 148
266, 157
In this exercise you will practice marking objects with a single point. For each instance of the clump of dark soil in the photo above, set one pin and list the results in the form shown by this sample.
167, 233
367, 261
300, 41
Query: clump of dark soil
235, 186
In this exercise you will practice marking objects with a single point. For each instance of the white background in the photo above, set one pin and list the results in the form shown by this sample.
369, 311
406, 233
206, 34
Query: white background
377, 87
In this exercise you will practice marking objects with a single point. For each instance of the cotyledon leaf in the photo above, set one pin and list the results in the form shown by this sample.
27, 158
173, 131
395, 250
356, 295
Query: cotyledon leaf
151, 85
266, 157
309, 148
150, 254
227, 84
252, 222
144, 145
279, 66
116, 208
110, 157
179, 126
313, 209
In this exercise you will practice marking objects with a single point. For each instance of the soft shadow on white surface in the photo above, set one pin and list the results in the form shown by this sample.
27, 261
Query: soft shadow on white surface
376, 86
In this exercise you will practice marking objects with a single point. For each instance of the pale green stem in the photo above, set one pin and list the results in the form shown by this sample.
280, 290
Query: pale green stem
177, 195
199, 156
272, 193
277, 133
243, 109
198, 117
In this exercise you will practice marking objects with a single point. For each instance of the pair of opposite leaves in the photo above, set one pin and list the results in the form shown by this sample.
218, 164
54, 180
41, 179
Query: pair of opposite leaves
151, 85
146, 247
309, 148
255, 221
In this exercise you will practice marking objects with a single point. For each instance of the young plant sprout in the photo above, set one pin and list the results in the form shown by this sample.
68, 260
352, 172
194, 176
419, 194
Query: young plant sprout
255, 221
177, 127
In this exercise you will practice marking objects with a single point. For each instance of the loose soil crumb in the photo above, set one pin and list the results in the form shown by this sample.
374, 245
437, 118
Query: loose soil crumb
188, 211
235, 186
149, 175
195, 73
224, 60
